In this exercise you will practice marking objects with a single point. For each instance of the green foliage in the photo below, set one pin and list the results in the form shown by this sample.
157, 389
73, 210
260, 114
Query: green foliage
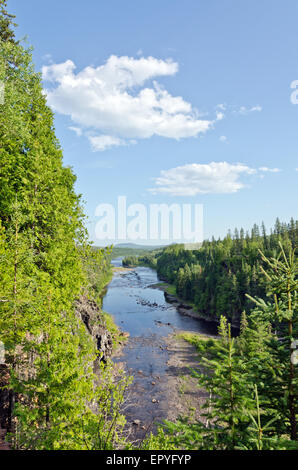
230, 396
252, 379
6, 23
282, 280
98, 270
45, 266
132, 250
147, 259
217, 276
160, 441
130, 261
256, 437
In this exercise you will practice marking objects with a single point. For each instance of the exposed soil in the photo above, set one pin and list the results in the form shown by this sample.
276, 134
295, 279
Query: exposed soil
182, 391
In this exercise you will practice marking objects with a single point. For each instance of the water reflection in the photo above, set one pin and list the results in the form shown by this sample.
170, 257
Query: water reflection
142, 310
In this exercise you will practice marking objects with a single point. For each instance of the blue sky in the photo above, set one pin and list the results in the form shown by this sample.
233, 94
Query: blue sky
174, 87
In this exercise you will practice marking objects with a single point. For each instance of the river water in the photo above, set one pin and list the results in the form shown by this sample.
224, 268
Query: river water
141, 310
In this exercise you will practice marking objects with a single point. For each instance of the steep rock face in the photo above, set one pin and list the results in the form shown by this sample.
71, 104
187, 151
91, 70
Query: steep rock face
91, 316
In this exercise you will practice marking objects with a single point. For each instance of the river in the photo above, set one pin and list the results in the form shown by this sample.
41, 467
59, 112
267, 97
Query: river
140, 309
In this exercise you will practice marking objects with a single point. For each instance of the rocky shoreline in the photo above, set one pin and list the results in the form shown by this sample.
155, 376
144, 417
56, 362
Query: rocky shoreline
181, 305
184, 308
164, 395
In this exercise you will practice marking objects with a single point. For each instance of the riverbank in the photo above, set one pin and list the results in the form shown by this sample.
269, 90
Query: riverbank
183, 307
155, 353
187, 308
182, 392
166, 395
120, 269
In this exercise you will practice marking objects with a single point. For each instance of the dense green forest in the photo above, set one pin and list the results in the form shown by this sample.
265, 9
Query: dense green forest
252, 379
249, 280
217, 277
131, 250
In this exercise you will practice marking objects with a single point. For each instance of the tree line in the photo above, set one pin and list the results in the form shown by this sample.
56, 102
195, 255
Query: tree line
251, 380
216, 277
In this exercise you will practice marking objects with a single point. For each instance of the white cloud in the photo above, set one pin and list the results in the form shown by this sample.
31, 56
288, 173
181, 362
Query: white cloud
269, 170
77, 130
220, 108
223, 138
111, 100
256, 108
219, 115
103, 142
192, 179
244, 110
58, 72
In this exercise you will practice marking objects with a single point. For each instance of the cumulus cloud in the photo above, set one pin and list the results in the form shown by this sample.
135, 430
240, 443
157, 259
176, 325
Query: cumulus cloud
112, 101
192, 179
211, 178
214, 177
223, 139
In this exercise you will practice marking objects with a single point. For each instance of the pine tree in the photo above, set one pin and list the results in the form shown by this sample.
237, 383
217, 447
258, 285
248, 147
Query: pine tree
231, 394
281, 274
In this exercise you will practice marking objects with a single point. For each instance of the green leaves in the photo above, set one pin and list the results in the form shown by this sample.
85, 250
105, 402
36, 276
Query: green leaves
45, 266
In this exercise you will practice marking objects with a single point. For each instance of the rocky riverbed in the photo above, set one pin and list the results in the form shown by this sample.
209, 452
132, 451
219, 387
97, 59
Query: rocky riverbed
154, 354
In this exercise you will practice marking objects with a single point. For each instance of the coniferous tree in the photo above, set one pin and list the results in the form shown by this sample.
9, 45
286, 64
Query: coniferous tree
251, 380
281, 275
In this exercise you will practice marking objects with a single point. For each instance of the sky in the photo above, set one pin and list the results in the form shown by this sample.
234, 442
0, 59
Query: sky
171, 102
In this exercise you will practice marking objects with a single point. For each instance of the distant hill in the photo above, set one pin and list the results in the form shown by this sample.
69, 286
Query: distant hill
135, 246
133, 249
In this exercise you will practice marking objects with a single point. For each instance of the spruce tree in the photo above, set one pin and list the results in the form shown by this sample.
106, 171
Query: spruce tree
281, 314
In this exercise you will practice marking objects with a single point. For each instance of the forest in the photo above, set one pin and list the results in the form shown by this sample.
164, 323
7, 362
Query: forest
251, 378
59, 389
221, 276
